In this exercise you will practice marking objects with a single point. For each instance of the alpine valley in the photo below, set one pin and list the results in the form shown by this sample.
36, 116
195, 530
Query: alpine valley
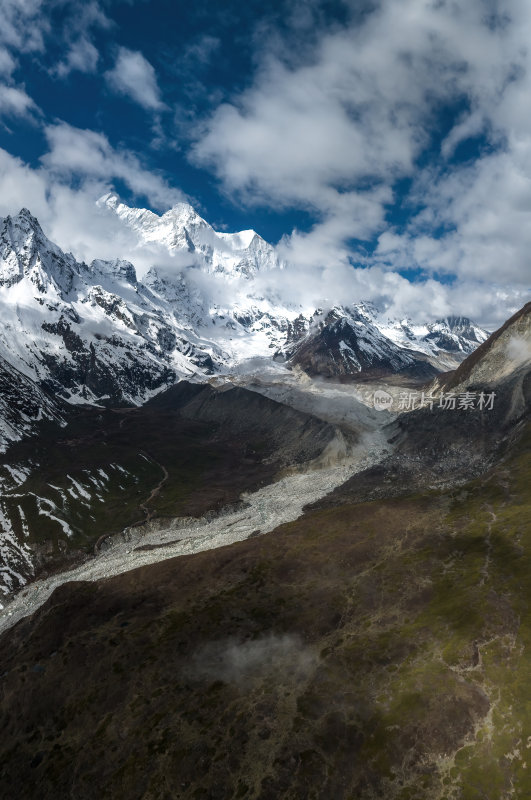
82, 342
226, 571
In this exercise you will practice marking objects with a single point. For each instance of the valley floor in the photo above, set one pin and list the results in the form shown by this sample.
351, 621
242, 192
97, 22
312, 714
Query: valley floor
261, 512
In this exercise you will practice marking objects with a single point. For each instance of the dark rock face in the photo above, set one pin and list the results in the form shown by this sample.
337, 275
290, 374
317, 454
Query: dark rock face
86, 370
441, 446
25, 251
167, 339
444, 341
351, 348
455, 334
297, 329
518, 325
299, 437
23, 404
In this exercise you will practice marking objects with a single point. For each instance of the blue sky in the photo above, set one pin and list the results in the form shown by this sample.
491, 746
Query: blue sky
385, 147
201, 53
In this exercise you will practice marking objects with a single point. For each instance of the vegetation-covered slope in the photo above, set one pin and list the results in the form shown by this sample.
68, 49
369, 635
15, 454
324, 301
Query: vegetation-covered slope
380, 649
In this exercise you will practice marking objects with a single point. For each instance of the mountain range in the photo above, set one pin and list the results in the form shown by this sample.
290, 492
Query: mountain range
94, 333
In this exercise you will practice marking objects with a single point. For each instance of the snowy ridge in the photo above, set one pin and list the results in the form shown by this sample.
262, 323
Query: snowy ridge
89, 333
96, 334
449, 339
182, 229
23, 404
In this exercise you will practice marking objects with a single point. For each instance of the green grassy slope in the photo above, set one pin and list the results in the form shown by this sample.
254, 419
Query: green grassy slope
372, 650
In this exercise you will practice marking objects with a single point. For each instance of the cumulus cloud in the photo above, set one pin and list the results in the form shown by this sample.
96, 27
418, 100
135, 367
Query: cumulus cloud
484, 212
334, 131
78, 34
69, 215
26, 29
22, 31
7, 63
24, 25
329, 283
14, 101
134, 77
82, 56
89, 154
333, 119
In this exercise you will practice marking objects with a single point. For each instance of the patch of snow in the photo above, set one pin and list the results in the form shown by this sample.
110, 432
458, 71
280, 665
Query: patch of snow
41, 503
81, 491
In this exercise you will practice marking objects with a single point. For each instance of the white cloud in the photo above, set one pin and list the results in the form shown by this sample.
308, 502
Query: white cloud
69, 215
7, 62
519, 349
22, 30
358, 111
235, 661
15, 102
82, 56
78, 32
26, 28
133, 76
89, 155
328, 127
24, 25
471, 125
325, 282
485, 208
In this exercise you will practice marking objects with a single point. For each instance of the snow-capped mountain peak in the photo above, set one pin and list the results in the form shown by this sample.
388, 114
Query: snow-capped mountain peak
23, 224
97, 334
181, 230
25, 252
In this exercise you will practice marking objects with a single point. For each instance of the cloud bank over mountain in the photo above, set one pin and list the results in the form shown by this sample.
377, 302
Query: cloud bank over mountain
388, 146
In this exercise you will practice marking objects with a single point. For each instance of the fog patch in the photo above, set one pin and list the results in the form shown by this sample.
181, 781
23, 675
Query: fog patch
234, 661
519, 349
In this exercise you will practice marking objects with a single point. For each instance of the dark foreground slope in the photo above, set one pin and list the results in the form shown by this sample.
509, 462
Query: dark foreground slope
374, 650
